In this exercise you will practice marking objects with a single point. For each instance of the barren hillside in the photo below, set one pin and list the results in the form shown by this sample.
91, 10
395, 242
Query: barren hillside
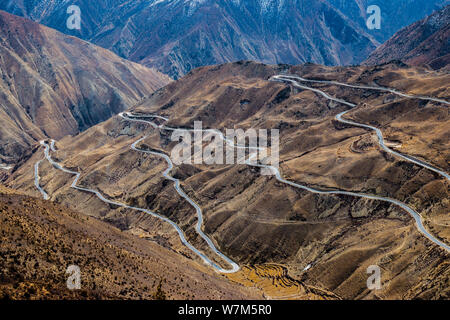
54, 85
426, 42
39, 240
324, 243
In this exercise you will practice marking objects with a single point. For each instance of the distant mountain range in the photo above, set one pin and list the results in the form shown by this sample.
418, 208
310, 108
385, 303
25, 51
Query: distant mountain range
52, 85
424, 42
395, 14
176, 36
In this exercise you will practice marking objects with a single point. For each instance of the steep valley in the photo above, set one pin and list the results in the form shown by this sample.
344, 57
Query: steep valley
424, 42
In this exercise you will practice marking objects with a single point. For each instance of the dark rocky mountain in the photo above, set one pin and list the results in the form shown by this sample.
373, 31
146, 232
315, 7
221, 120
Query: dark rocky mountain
395, 14
426, 42
258, 221
176, 36
52, 85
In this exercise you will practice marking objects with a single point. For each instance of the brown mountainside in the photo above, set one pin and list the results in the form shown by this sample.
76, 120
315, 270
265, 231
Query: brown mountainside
53, 85
255, 219
39, 240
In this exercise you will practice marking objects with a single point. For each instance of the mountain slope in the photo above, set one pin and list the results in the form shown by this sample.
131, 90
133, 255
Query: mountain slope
177, 36
39, 240
186, 35
255, 219
424, 42
395, 14
53, 84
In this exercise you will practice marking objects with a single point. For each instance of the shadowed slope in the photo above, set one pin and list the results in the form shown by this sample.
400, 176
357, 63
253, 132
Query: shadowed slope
426, 42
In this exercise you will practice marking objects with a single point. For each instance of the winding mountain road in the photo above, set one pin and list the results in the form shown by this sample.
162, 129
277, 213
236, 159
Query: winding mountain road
197, 208
180, 232
417, 217
251, 162
36, 180
293, 80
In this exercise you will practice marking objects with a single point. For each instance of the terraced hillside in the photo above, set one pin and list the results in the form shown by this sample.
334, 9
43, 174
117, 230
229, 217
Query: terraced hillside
276, 283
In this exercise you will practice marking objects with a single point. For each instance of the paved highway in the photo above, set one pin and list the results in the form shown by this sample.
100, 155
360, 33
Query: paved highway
234, 266
294, 81
251, 162
417, 217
